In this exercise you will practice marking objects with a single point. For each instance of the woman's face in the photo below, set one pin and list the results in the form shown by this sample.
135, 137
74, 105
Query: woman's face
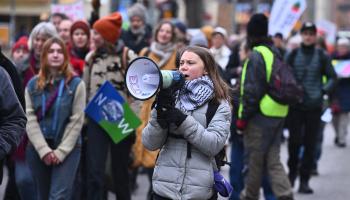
38, 43
55, 56
191, 65
80, 38
164, 34
97, 39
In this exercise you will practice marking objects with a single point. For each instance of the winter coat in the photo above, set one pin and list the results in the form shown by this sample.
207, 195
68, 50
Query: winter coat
255, 84
176, 175
12, 118
134, 42
101, 66
309, 65
341, 95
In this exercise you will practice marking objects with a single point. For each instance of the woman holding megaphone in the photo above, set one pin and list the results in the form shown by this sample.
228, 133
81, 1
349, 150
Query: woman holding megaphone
178, 128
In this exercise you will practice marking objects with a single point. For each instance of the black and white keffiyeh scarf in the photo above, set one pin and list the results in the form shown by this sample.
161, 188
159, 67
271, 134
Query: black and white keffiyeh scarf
195, 93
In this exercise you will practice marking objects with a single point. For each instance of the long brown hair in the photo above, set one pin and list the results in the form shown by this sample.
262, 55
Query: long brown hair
160, 24
221, 89
44, 72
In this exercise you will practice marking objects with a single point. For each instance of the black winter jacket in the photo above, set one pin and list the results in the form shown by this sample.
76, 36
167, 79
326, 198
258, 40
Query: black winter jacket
255, 83
12, 118
309, 65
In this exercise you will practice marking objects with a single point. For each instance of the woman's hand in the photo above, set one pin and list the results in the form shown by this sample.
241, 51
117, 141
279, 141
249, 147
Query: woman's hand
48, 158
55, 159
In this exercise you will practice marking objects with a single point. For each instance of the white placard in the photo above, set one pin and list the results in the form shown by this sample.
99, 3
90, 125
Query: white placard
74, 11
284, 15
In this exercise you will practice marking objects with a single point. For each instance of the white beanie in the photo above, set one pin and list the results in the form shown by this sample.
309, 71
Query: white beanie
343, 41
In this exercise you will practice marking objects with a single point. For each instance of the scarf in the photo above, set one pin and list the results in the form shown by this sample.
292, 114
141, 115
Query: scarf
195, 93
164, 51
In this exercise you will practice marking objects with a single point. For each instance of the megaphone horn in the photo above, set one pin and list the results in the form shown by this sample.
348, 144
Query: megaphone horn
143, 78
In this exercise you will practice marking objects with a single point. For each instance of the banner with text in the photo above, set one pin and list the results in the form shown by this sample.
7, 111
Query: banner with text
284, 15
112, 113
74, 11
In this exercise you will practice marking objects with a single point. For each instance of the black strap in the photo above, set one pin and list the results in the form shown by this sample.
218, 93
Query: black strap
213, 106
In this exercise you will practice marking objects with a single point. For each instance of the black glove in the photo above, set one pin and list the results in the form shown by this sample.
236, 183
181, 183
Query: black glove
161, 119
165, 99
172, 115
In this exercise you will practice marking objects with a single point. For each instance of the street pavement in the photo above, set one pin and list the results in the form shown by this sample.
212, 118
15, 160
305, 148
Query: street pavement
333, 182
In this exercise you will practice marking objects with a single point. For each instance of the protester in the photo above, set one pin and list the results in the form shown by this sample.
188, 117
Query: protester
80, 45
309, 65
56, 19
11, 191
20, 54
261, 118
40, 33
279, 43
181, 34
139, 34
163, 52
12, 118
64, 30
223, 54
219, 49
237, 168
107, 63
341, 97
185, 165
55, 101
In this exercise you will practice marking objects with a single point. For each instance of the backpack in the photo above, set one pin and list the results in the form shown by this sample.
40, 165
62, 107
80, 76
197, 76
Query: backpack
282, 84
221, 157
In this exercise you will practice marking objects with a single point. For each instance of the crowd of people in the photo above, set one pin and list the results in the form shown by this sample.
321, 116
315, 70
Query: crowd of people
63, 154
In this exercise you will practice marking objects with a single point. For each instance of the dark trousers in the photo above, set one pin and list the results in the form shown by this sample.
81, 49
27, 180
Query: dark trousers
304, 131
98, 145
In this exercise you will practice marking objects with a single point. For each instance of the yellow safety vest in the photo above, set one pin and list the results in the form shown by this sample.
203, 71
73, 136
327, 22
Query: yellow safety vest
268, 106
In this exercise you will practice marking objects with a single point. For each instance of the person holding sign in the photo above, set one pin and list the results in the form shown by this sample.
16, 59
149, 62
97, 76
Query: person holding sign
55, 100
341, 97
107, 63
178, 127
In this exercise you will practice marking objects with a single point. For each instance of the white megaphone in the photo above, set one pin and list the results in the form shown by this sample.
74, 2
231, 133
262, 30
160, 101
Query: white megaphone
143, 78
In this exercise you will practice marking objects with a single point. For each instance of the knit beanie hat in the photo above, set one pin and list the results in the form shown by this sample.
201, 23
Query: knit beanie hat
22, 42
221, 31
82, 25
199, 39
109, 27
181, 26
257, 26
137, 9
208, 31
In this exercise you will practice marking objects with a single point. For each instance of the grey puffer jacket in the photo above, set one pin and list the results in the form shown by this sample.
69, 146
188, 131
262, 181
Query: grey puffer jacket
177, 176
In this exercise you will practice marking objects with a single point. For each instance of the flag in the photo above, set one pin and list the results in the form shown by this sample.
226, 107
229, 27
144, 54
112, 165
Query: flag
342, 68
112, 113
284, 15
